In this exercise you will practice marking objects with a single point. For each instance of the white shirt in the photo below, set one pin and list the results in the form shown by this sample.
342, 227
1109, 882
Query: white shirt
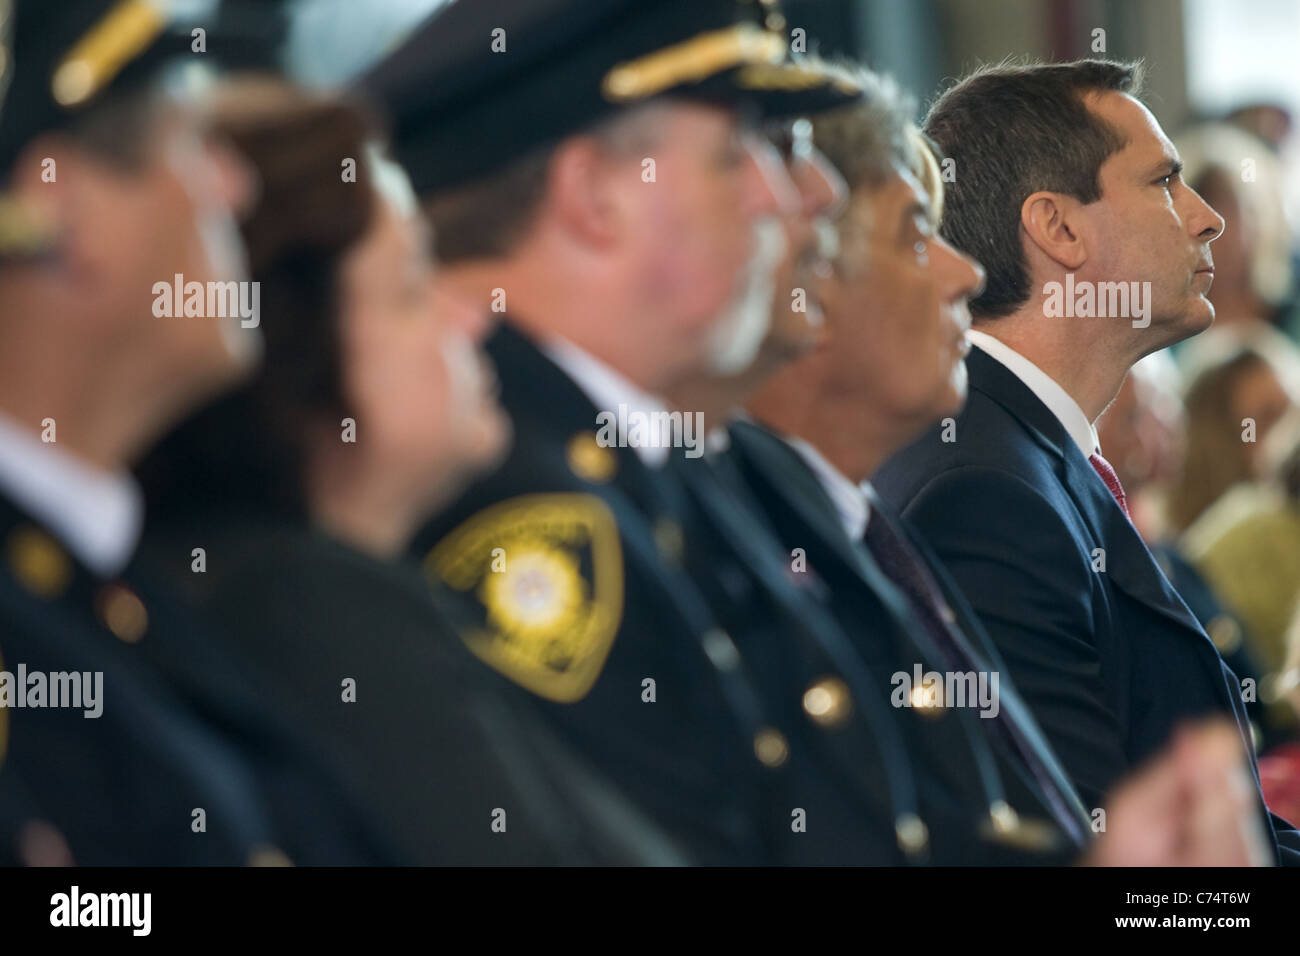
850, 500
96, 514
607, 389
1057, 399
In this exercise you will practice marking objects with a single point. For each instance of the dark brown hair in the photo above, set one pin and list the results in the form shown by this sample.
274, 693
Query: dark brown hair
249, 448
1012, 131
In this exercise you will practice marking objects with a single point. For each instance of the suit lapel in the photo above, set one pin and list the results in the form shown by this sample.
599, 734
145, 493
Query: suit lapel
1128, 562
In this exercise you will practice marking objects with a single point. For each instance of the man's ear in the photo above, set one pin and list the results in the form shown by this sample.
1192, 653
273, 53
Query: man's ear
1052, 223
582, 190
48, 183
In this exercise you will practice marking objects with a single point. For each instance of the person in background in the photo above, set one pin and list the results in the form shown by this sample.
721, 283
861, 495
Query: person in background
373, 405
1232, 409
1247, 546
1143, 430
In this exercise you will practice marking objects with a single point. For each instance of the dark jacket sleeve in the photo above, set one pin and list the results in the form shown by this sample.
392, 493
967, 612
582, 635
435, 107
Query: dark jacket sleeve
1032, 588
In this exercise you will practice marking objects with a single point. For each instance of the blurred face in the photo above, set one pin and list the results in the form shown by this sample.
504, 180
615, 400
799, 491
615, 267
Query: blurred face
1150, 226
1261, 397
698, 258
1141, 434
421, 391
173, 214
895, 306
820, 195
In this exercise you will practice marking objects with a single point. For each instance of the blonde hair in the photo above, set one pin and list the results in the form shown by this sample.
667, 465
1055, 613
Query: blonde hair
922, 159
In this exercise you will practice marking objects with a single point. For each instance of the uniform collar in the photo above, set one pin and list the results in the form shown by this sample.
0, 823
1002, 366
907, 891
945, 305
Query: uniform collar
1045, 388
850, 500
607, 389
97, 515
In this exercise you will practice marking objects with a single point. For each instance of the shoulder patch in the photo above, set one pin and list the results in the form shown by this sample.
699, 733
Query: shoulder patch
547, 572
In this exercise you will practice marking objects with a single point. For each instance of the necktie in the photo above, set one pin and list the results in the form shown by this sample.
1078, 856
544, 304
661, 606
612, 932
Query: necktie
902, 565
1102, 467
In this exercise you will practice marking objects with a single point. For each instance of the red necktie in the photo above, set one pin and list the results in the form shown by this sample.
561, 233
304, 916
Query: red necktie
1102, 467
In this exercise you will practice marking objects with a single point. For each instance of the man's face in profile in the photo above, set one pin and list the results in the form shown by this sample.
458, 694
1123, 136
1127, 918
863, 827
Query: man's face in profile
1149, 225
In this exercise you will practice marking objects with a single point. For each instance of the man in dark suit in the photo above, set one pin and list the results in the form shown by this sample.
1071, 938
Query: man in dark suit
164, 757
1096, 253
873, 382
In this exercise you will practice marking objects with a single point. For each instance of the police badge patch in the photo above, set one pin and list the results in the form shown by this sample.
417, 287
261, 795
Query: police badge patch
547, 572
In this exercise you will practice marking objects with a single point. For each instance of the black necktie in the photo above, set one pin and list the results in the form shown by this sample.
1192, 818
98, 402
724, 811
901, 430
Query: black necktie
902, 565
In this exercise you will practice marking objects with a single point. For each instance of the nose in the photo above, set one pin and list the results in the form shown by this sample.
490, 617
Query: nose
1204, 222
965, 276
769, 189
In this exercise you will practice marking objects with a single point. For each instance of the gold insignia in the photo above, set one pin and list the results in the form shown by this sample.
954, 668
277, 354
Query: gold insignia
38, 562
122, 613
590, 460
548, 571
99, 56
691, 61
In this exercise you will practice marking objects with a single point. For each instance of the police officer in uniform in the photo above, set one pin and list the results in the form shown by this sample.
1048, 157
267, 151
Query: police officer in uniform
108, 188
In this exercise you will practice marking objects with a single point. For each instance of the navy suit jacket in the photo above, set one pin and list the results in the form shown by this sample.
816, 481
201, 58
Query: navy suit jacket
1103, 648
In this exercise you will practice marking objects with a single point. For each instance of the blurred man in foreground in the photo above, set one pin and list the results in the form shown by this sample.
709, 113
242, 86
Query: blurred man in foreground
110, 189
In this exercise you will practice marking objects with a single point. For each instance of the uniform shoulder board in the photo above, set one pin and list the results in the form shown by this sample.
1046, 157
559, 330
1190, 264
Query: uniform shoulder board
546, 571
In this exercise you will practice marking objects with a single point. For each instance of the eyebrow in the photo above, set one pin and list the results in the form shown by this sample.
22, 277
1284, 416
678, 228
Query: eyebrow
1169, 166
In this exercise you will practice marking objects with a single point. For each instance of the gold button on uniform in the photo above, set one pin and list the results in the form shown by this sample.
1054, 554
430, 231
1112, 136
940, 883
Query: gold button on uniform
912, 833
770, 747
590, 460
38, 562
828, 702
122, 612
268, 855
928, 701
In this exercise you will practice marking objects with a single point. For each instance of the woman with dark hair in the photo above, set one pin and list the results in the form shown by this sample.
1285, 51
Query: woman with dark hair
284, 509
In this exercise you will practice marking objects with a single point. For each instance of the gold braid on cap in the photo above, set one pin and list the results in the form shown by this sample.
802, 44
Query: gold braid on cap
691, 61
123, 34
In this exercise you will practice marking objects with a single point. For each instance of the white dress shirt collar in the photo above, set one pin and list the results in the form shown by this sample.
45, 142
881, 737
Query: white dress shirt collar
97, 515
850, 500
607, 389
1057, 399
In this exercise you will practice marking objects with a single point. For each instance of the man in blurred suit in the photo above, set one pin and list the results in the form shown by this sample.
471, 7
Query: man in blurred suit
109, 187
1068, 192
